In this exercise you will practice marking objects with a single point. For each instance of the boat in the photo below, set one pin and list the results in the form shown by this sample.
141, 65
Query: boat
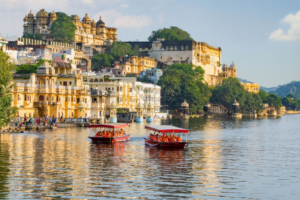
113, 129
165, 130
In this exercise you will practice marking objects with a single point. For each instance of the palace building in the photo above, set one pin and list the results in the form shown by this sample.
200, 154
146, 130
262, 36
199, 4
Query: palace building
88, 31
191, 52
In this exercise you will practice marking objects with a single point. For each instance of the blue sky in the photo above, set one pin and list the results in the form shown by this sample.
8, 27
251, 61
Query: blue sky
262, 37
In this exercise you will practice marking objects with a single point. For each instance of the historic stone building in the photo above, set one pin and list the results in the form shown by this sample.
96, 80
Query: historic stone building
191, 52
229, 71
88, 31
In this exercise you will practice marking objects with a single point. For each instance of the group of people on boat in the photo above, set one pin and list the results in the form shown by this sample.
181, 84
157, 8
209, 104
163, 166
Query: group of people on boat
165, 138
108, 134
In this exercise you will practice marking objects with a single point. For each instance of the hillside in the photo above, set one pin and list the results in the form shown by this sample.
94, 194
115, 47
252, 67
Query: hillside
290, 88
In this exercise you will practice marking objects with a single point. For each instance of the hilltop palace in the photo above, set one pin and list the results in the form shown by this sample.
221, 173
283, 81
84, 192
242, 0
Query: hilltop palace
88, 31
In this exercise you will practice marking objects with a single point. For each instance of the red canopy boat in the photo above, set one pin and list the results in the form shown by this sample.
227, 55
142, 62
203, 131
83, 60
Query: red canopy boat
110, 133
166, 136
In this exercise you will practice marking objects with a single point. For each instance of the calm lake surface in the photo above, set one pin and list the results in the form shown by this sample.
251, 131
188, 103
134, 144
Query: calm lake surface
226, 159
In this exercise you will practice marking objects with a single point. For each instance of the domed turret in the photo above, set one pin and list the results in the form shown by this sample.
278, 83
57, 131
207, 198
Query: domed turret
30, 15
53, 14
233, 66
185, 104
25, 18
225, 66
75, 18
94, 24
42, 13
100, 23
86, 18
45, 69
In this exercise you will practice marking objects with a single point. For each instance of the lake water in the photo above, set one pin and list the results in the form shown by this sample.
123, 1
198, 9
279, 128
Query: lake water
226, 159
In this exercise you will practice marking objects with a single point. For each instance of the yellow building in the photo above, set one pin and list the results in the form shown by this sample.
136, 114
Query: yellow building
88, 31
135, 64
49, 93
229, 71
251, 87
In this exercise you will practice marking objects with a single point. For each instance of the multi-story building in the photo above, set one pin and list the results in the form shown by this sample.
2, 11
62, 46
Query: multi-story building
51, 93
191, 52
88, 31
251, 87
3, 44
154, 74
127, 90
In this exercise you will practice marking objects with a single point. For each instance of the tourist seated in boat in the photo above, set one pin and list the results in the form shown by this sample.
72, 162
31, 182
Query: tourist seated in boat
110, 133
164, 138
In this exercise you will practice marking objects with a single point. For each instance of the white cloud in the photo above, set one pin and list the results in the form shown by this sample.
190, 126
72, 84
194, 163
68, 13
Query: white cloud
293, 33
161, 18
117, 19
124, 6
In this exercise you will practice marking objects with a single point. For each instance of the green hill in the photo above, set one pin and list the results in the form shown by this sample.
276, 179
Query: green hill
290, 88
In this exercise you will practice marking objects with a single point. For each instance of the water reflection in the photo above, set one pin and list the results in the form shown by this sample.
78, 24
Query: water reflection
253, 159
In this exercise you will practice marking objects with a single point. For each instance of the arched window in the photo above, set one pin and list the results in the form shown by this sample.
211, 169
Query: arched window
41, 98
66, 99
25, 97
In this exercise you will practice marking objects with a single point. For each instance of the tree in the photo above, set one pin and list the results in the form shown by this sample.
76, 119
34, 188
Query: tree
63, 29
263, 95
274, 100
120, 49
101, 60
28, 69
6, 78
145, 79
180, 82
36, 36
170, 34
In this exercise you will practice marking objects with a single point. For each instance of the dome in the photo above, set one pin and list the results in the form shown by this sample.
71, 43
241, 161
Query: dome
86, 18
100, 23
81, 104
185, 104
94, 24
53, 14
30, 14
42, 13
233, 65
25, 18
225, 66
235, 103
76, 18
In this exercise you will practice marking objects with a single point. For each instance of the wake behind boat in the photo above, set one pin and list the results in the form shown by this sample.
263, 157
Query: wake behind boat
109, 133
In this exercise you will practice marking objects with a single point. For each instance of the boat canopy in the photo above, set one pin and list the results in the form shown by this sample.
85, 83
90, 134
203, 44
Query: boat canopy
109, 125
166, 129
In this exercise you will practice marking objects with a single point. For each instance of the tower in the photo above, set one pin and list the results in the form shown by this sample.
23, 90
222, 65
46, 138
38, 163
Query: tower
86, 23
101, 28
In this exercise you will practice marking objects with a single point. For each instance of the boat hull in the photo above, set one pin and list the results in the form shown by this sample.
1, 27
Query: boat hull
123, 138
165, 144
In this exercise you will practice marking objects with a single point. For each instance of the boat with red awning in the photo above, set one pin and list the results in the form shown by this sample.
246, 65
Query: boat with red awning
166, 136
109, 133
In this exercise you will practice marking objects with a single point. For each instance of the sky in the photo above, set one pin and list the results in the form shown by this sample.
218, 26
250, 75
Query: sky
262, 37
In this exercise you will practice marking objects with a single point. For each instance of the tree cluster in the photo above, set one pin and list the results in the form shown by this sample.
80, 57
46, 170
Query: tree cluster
113, 53
183, 82
170, 34
36, 36
30, 68
231, 90
271, 99
6, 78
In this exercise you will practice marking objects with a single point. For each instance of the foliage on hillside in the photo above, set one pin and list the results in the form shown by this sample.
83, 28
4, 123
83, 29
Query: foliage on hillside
180, 82
36, 36
290, 88
170, 34
63, 29
114, 52
6, 111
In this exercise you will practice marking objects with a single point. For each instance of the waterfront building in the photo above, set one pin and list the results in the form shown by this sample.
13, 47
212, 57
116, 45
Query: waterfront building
129, 92
251, 87
50, 93
191, 52
88, 31
154, 74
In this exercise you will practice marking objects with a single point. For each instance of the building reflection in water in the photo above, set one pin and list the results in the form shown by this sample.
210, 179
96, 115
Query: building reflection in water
4, 167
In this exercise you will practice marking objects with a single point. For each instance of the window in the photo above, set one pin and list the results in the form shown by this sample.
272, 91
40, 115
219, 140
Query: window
117, 89
70, 83
78, 100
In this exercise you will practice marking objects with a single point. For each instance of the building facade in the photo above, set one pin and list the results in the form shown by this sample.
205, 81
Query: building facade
49, 93
88, 31
154, 74
191, 52
251, 87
